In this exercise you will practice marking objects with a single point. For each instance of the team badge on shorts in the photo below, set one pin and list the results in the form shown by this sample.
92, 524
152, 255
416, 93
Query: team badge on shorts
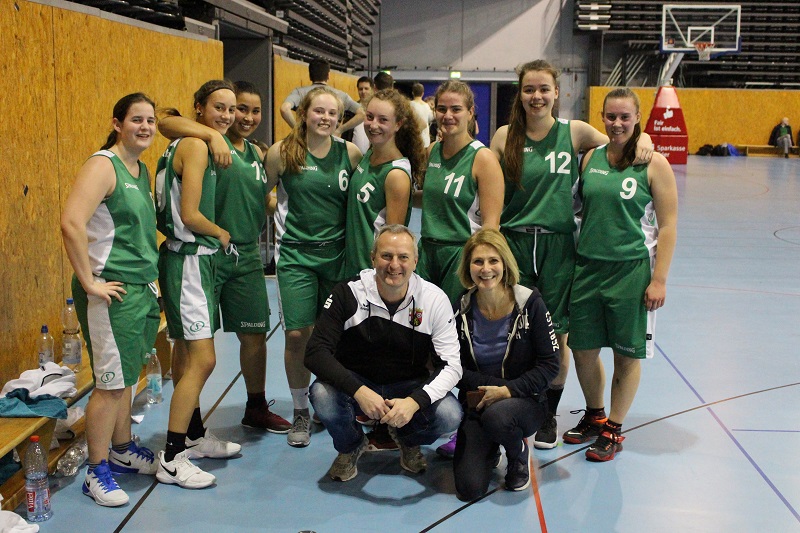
415, 316
107, 377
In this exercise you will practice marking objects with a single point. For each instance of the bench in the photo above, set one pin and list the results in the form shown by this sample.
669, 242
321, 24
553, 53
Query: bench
764, 150
15, 432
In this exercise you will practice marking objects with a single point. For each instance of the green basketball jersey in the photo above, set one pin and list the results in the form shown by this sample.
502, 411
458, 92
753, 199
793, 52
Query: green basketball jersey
168, 195
366, 209
241, 195
619, 220
549, 173
122, 230
312, 205
450, 207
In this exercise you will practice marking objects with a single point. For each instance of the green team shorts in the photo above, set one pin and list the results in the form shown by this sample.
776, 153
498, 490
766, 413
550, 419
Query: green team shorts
241, 291
306, 275
187, 285
555, 265
438, 263
119, 336
607, 306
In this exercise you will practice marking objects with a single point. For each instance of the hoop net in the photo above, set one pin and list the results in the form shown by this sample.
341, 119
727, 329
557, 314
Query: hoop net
704, 50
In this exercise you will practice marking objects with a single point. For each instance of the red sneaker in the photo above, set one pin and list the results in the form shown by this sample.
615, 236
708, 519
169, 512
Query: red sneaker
263, 418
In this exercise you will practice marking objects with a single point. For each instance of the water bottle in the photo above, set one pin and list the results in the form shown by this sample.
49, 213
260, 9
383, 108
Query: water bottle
73, 458
37, 486
153, 378
44, 346
72, 345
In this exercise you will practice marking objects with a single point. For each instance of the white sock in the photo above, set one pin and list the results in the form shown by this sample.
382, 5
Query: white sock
300, 398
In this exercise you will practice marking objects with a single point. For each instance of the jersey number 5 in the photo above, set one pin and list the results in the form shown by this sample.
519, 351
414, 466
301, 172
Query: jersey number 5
363, 196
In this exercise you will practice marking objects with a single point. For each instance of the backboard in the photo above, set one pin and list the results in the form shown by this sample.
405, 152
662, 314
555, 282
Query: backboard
687, 27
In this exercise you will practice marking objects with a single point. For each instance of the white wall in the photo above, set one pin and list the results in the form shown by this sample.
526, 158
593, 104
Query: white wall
484, 39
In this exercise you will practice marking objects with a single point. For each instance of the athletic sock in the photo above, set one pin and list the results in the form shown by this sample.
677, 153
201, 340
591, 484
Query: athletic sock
196, 428
256, 399
612, 427
553, 399
176, 443
92, 466
595, 413
121, 448
300, 398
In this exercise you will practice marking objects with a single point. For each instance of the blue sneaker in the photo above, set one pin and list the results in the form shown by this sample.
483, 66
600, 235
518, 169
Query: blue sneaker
135, 460
101, 487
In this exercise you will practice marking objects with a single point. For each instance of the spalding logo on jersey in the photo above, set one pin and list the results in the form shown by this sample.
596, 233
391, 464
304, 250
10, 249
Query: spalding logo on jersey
415, 316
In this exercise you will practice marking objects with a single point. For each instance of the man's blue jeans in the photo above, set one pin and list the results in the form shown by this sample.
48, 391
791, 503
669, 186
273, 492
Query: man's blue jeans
338, 411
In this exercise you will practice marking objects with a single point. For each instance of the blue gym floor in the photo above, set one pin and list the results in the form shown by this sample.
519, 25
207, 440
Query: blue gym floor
711, 440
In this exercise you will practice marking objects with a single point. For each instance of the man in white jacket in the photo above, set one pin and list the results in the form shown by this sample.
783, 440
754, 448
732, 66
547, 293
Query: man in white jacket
370, 350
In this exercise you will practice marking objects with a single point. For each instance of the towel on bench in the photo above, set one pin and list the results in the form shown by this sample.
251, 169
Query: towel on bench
19, 404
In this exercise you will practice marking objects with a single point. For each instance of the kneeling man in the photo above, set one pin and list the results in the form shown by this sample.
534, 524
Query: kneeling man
372, 351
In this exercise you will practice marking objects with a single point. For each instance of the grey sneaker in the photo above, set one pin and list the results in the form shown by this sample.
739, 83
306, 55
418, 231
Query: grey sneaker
411, 457
345, 466
300, 435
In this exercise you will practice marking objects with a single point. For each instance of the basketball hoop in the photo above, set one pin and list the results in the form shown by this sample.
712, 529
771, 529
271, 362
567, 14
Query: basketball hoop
704, 50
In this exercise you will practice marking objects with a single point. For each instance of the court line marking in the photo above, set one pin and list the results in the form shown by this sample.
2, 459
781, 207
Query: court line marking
633, 428
155, 482
739, 445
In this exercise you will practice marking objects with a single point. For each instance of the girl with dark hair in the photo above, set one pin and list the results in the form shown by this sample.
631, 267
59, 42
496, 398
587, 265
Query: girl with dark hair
314, 169
629, 212
539, 154
462, 190
185, 192
380, 187
109, 232
242, 196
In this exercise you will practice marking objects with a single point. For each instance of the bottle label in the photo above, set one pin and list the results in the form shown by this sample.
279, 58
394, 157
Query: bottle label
71, 351
30, 496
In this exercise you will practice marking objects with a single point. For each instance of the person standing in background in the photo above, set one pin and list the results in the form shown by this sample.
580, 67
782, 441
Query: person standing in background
423, 112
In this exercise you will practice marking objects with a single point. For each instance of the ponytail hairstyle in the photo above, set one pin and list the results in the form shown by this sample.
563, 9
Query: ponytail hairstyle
407, 138
629, 150
461, 88
294, 147
121, 109
240, 87
201, 96
517, 123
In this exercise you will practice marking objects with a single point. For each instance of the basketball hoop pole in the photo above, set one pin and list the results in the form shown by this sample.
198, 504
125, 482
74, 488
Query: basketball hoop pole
669, 68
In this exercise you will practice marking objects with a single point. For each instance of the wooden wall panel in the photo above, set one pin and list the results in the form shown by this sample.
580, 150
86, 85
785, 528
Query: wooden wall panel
289, 74
30, 241
717, 116
60, 74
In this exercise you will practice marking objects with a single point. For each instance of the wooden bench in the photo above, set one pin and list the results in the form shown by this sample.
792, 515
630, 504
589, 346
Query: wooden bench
15, 432
760, 150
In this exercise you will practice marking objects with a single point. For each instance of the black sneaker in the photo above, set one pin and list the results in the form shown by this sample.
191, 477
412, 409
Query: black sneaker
547, 436
605, 447
518, 474
587, 429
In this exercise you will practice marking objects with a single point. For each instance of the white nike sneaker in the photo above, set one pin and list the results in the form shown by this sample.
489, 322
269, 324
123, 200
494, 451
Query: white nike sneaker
180, 471
211, 447
135, 460
102, 488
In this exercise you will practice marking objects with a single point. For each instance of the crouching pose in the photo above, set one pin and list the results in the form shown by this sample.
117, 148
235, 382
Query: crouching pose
509, 351
370, 351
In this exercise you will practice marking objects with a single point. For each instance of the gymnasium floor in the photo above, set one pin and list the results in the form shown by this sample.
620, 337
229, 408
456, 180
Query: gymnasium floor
712, 437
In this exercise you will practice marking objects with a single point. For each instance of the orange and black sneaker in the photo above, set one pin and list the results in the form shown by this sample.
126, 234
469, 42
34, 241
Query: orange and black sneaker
587, 429
605, 447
